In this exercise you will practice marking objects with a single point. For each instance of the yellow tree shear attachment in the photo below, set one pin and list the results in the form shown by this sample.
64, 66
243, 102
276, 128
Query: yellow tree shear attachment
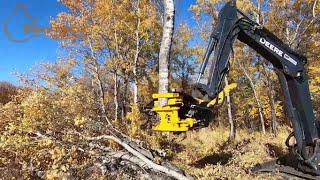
169, 115
170, 119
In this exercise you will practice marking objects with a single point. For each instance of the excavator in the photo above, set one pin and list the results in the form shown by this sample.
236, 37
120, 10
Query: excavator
185, 112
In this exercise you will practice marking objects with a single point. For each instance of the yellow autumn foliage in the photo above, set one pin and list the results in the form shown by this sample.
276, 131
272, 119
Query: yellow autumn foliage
112, 48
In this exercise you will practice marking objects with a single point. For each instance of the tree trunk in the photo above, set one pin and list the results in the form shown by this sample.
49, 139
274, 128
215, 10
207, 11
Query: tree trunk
135, 64
273, 111
232, 133
125, 98
164, 55
258, 20
273, 107
115, 94
263, 128
100, 84
271, 99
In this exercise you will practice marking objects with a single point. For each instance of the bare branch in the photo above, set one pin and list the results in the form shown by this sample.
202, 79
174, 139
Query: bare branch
296, 32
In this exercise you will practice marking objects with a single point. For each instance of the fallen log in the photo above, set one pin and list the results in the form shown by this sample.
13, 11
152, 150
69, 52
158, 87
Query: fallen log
149, 163
143, 159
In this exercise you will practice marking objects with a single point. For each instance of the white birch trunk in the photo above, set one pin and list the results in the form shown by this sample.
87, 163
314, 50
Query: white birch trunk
115, 94
135, 64
164, 55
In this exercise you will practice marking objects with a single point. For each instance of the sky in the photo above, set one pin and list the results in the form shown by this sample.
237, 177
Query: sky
19, 52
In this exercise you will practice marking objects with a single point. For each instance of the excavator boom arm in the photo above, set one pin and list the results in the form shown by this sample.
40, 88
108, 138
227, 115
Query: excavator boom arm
232, 24
188, 112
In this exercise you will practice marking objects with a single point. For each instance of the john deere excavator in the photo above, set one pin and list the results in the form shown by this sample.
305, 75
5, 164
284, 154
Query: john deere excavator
187, 112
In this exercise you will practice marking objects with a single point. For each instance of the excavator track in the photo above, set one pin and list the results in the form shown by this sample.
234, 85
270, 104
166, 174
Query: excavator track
288, 171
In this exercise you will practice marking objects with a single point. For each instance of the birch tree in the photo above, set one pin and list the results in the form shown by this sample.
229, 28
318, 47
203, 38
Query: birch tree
166, 43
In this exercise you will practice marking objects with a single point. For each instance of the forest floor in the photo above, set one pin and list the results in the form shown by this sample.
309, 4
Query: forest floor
207, 153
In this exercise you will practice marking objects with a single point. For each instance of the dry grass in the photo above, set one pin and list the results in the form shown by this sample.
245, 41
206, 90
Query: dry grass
207, 153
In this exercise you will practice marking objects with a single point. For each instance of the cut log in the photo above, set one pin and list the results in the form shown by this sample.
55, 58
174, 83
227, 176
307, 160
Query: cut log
147, 161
